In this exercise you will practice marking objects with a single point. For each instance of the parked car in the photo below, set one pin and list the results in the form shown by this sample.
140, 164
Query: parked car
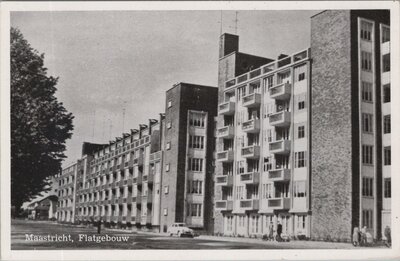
180, 229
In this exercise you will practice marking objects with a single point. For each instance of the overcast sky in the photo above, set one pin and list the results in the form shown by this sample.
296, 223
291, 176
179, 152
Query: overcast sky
110, 58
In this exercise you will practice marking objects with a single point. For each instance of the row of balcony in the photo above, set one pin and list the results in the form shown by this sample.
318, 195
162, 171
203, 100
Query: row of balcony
253, 178
279, 92
253, 151
253, 204
278, 119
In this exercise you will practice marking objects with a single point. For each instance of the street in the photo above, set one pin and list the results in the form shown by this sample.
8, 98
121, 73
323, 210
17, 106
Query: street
23, 233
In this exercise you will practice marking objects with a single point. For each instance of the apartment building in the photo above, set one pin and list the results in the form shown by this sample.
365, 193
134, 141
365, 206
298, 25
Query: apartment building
66, 193
120, 183
187, 180
304, 141
350, 122
263, 149
156, 175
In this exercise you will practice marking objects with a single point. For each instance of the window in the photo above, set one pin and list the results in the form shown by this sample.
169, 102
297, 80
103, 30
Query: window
166, 189
197, 119
301, 222
169, 125
168, 145
300, 160
195, 210
195, 187
196, 142
386, 93
386, 63
165, 211
366, 30
302, 105
267, 190
385, 34
367, 122
167, 167
367, 154
300, 73
387, 154
367, 218
368, 187
195, 164
299, 189
366, 61
387, 189
301, 132
169, 104
366, 91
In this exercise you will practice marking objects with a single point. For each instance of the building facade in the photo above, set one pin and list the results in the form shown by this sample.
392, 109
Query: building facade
154, 176
350, 129
67, 194
187, 180
304, 141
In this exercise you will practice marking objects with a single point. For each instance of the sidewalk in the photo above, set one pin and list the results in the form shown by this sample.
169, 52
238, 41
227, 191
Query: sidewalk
293, 243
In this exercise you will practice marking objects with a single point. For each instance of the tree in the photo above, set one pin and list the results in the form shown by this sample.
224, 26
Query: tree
40, 124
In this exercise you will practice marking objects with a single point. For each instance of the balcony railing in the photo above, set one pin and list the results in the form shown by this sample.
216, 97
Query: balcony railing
279, 203
251, 152
224, 180
250, 204
225, 156
226, 108
280, 92
224, 205
279, 174
252, 100
227, 132
280, 119
250, 178
280, 147
251, 126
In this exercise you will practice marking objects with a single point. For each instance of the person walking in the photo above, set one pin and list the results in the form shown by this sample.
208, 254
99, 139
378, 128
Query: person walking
388, 235
356, 236
271, 232
363, 236
279, 231
99, 226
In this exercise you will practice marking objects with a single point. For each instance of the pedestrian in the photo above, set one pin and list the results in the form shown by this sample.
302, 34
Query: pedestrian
99, 226
356, 240
364, 236
279, 231
388, 235
271, 232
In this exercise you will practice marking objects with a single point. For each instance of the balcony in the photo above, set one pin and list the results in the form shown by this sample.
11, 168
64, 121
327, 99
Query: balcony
280, 147
251, 126
226, 108
252, 100
225, 156
224, 205
250, 204
250, 178
227, 132
280, 119
279, 174
280, 92
279, 203
224, 180
251, 152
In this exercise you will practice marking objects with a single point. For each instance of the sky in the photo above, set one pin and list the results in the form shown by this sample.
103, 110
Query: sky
108, 61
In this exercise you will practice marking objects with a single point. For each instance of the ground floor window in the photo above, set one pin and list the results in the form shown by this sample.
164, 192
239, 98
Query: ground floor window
367, 218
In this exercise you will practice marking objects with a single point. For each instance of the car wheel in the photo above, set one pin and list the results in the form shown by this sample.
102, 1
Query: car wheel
170, 234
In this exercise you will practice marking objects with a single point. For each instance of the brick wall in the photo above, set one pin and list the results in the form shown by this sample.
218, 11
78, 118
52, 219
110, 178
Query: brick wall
331, 126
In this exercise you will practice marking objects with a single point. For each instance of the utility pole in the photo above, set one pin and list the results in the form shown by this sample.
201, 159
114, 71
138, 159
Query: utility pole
236, 22
123, 117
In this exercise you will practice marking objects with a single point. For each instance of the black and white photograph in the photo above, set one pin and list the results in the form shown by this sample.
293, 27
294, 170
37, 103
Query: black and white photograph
199, 126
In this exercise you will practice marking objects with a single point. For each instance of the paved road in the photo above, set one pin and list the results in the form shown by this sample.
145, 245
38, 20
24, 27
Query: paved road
80, 238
